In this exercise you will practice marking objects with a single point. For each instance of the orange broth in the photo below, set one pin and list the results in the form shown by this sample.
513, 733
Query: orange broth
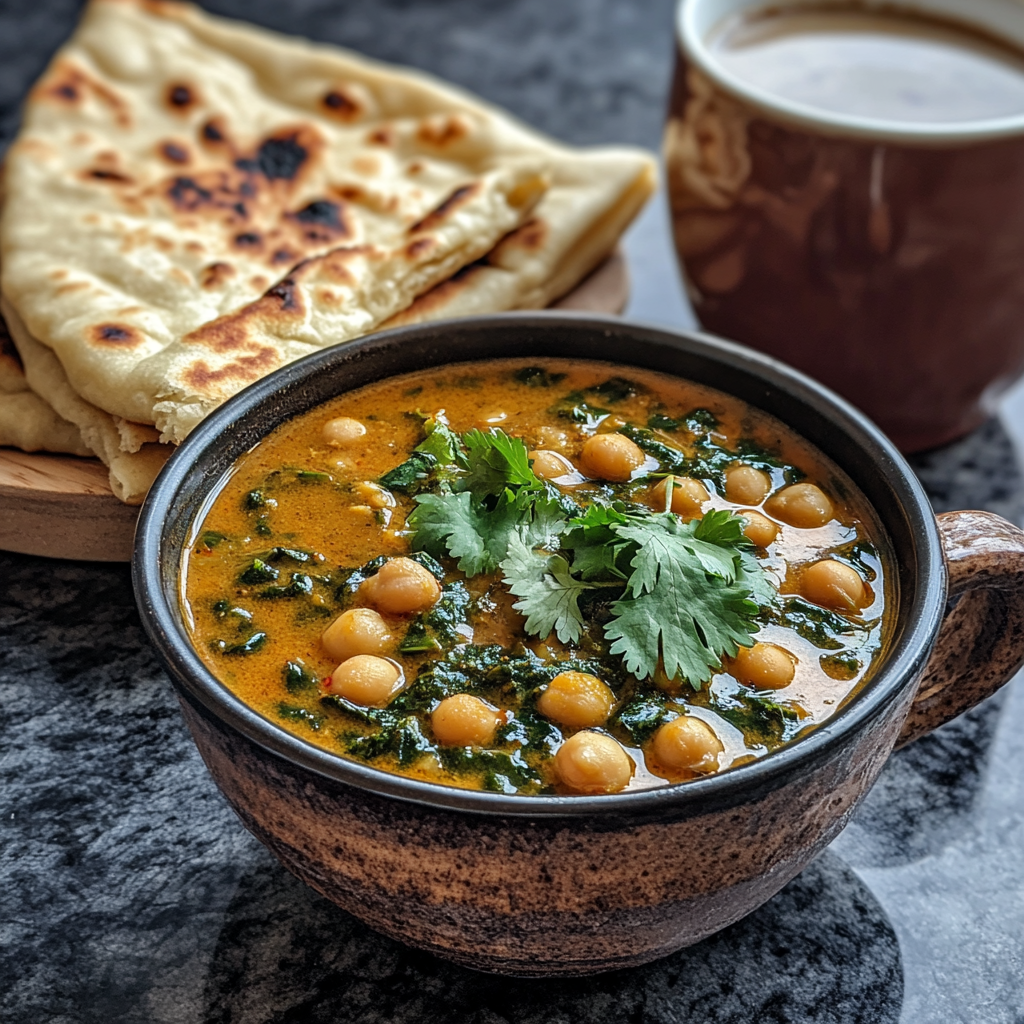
297, 493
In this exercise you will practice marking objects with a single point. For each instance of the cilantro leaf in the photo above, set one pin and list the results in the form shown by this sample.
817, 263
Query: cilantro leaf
595, 546
545, 520
451, 524
478, 536
496, 461
549, 596
662, 534
601, 515
752, 576
720, 526
681, 607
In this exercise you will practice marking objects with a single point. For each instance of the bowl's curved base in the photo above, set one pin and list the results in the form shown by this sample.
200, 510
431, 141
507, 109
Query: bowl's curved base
542, 938
533, 897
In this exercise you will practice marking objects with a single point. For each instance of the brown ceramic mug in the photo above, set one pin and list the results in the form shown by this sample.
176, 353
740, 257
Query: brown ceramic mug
885, 260
574, 885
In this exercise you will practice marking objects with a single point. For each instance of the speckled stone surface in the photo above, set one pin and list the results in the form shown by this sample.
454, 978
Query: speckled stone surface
129, 891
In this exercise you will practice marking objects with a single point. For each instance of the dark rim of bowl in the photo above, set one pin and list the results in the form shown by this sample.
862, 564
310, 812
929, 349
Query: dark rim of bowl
834, 426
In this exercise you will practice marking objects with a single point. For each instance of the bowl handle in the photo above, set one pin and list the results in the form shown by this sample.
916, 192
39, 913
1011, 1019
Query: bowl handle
981, 642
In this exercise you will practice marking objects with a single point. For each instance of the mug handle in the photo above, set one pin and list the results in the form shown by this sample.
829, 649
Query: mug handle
980, 645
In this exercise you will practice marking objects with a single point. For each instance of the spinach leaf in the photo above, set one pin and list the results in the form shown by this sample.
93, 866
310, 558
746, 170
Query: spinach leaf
642, 716
298, 678
300, 585
825, 629
769, 720
259, 572
295, 713
248, 646
536, 377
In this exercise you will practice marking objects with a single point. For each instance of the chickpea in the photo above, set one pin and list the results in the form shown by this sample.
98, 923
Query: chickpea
401, 587
342, 431
662, 682
611, 457
550, 465
357, 631
803, 505
688, 743
833, 585
576, 699
763, 666
687, 499
745, 485
465, 721
366, 680
590, 762
760, 530
551, 438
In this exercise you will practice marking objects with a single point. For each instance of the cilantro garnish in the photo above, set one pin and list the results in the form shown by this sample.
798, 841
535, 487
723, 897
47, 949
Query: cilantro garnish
684, 605
549, 594
687, 600
491, 493
679, 596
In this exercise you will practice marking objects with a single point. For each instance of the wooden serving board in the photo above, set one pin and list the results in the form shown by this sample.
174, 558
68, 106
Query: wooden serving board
61, 506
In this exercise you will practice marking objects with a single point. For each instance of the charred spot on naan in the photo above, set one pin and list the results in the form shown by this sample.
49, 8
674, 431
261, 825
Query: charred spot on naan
340, 103
69, 85
282, 301
287, 293
459, 197
287, 155
382, 136
208, 191
106, 175
245, 369
250, 241
321, 221
175, 152
213, 133
440, 130
181, 98
216, 274
107, 168
113, 335
256, 186
231, 332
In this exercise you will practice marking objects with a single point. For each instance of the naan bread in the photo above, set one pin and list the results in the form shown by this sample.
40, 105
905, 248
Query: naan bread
185, 215
131, 472
195, 202
26, 421
546, 257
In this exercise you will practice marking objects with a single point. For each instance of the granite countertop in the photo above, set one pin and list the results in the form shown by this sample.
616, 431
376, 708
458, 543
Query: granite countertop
129, 892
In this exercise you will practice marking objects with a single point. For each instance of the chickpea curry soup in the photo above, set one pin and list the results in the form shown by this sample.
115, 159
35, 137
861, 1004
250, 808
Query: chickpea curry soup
545, 577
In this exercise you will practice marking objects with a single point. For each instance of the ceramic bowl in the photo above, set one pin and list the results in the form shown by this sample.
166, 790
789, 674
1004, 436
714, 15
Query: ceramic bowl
566, 884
